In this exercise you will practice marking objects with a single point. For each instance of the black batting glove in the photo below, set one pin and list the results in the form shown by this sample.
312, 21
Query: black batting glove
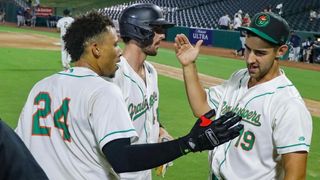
207, 134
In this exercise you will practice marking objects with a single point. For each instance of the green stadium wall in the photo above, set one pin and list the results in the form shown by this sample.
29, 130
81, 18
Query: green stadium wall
219, 38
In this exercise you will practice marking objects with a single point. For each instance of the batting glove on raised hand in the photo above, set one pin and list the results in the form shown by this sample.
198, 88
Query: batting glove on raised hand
207, 134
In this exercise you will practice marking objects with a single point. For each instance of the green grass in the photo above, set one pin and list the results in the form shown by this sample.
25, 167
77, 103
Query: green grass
20, 69
29, 31
313, 169
177, 117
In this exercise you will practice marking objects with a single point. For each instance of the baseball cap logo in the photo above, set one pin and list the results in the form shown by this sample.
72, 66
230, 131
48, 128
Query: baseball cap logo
262, 20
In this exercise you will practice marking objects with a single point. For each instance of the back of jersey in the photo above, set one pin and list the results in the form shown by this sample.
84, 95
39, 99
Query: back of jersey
63, 128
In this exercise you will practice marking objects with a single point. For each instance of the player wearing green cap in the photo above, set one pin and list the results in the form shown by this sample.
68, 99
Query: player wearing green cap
275, 141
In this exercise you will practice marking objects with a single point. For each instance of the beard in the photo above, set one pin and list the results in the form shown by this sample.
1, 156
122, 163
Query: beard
150, 51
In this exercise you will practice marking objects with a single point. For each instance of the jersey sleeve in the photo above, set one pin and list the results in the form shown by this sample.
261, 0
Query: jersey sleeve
292, 127
110, 117
214, 94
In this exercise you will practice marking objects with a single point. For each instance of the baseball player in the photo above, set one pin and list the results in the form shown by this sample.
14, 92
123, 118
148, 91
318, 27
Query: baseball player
16, 160
77, 125
142, 27
275, 141
62, 26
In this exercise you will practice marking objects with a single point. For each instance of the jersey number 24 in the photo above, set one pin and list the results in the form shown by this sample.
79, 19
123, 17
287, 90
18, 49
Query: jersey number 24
59, 117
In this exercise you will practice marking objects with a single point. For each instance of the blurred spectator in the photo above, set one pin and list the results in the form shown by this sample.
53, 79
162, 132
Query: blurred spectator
242, 40
51, 21
279, 8
237, 22
295, 41
307, 48
20, 17
239, 13
2, 16
246, 20
224, 22
313, 15
315, 52
27, 16
33, 17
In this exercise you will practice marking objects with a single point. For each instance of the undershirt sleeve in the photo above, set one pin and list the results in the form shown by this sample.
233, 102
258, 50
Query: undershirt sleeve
128, 158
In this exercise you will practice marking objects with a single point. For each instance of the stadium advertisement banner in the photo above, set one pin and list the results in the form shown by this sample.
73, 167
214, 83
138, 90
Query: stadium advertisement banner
44, 11
204, 34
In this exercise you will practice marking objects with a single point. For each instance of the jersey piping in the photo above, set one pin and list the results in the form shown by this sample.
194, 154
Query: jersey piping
300, 144
116, 132
144, 111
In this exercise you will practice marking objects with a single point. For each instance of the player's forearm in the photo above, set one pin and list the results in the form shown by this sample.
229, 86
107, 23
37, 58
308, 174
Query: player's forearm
196, 94
128, 158
295, 165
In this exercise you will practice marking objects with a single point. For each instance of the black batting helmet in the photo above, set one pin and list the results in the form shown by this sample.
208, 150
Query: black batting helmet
138, 20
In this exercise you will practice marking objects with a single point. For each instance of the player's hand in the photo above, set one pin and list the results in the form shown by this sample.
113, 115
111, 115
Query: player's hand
207, 134
163, 137
185, 52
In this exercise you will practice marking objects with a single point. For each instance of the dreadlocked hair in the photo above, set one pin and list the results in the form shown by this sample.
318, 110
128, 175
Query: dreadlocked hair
84, 28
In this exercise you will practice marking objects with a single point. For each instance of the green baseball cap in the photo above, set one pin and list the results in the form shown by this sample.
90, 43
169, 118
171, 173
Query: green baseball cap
270, 27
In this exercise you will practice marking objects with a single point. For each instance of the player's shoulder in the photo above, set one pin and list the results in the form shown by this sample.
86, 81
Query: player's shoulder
124, 69
107, 91
284, 87
66, 19
44, 81
285, 93
238, 75
70, 19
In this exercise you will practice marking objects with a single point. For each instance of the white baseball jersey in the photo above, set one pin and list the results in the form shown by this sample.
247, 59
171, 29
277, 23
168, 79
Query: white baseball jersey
68, 118
142, 101
63, 25
276, 121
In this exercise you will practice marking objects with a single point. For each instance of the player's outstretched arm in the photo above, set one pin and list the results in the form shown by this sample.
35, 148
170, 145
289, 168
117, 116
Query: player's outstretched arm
205, 135
187, 55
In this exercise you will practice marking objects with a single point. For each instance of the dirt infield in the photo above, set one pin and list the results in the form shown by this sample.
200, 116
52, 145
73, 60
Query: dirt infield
28, 40
34, 41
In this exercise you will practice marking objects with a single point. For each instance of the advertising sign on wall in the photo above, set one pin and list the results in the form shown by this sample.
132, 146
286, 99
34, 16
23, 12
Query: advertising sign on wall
44, 11
198, 34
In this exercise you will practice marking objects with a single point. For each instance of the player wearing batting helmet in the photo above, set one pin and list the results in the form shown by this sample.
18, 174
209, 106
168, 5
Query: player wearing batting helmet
77, 125
142, 28
275, 141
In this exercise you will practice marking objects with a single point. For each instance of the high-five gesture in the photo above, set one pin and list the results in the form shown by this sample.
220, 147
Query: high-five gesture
185, 52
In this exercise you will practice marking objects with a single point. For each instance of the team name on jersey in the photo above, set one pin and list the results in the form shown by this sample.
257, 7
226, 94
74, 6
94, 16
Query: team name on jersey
136, 110
247, 115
